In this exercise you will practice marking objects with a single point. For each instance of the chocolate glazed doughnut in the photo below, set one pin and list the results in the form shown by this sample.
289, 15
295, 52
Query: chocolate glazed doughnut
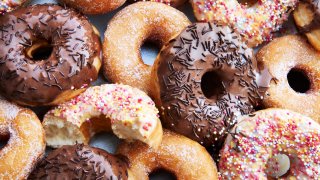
81, 162
205, 79
48, 54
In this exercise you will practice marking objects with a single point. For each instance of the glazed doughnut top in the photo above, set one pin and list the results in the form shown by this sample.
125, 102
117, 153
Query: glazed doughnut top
69, 66
257, 140
217, 51
81, 162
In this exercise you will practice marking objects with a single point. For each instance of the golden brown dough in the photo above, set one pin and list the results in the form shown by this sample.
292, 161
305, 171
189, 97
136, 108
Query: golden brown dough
291, 56
94, 6
26, 144
307, 18
174, 3
185, 158
128, 30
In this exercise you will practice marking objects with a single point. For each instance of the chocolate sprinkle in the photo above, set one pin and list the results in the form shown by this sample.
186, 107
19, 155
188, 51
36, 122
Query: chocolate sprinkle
186, 109
58, 27
80, 162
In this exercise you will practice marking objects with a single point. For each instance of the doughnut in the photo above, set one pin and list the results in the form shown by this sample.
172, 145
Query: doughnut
48, 55
94, 6
174, 3
26, 142
185, 158
274, 143
81, 162
127, 111
203, 80
294, 68
128, 30
256, 23
307, 18
9, 5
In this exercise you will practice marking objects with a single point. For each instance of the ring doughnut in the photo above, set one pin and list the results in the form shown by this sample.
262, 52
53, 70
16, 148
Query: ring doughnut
203, 80
129, 112
94, 6
81, 162
9, 5
274, 143
26, 143
146, 21
48, 54
255, 23
295, 82
174, 3
307, 18
185, 158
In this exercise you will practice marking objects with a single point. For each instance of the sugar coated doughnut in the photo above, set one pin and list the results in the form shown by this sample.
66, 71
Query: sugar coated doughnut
26, 142
174, 3
128, 30
129, 112
307, 18
94, 6
9, 5
255, 23
48, 54
274, 143
203, 80
295, 71
81, 162
185, 158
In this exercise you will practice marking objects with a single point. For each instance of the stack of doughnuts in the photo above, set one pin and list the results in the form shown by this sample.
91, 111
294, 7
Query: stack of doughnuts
228, 96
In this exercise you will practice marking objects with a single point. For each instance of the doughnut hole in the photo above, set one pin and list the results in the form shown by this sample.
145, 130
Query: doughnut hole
3, 142
162, 174
211, 85
247, 3
298, 80
278, 166
60, 132
41, 49
149, 51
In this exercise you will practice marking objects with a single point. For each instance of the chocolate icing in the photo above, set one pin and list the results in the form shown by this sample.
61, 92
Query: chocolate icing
314, 5
201, 48
70, 64
80, 162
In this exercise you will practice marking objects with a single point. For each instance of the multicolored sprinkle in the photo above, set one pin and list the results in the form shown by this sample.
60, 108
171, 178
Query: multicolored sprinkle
254, 141
256, 23
127, 107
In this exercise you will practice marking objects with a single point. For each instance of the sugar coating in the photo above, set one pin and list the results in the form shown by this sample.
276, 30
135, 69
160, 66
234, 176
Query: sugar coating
26, 144
8, 110
256, 23
270, 132
185, 158
124, 105
126, 32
